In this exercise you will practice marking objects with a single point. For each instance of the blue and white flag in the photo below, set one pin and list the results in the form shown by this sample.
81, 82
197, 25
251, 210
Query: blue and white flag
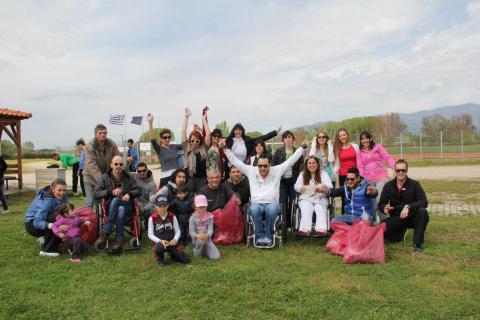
117, 119
137, 120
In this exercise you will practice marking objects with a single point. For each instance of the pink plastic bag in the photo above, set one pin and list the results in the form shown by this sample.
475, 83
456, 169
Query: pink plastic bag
88, 233
338, 241
365, 243
229, 223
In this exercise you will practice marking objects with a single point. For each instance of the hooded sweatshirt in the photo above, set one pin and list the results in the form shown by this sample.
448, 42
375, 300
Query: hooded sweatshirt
41, 206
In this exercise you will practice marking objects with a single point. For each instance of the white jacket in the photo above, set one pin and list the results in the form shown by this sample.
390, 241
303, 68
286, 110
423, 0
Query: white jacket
310, 194
264, 190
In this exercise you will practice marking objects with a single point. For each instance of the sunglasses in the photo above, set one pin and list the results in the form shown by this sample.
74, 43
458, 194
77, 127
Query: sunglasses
322, 137
262, 165
142, 171
195, 141
118, 164
401, 170
166, 137
350, 179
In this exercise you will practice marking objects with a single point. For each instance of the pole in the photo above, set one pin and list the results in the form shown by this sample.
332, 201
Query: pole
461, 141
421, 146
441, 144
401, 145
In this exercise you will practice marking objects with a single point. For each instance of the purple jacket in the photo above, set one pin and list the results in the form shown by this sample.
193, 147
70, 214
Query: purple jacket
370, 162
73, 223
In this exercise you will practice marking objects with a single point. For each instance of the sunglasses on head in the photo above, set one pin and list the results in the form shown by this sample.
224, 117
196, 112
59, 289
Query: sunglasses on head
142, 171
401, 170
194, 141
118, 164
166, 137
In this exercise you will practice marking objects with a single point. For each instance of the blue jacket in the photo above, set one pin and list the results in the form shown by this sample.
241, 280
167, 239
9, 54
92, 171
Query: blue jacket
356, 200
42, 205
132, 152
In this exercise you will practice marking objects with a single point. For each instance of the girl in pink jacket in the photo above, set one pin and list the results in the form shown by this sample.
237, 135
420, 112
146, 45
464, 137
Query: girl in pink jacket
370, 162
67, 227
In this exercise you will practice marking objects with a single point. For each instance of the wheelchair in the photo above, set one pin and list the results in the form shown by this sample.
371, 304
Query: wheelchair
279, 230
133, 225
296, 216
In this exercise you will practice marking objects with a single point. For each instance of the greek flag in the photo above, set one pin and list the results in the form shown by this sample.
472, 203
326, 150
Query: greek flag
117, 119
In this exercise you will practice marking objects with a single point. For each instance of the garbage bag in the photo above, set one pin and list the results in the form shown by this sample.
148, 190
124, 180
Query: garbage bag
228, 223
88, 233
338, 241
365, 244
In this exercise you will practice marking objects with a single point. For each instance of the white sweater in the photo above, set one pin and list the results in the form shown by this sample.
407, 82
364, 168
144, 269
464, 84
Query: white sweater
310, 193
264, 190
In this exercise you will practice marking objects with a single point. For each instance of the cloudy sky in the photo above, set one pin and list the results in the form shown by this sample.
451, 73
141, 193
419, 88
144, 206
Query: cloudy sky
262, 63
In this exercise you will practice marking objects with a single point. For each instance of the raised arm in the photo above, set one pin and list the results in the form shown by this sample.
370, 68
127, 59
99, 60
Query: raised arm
206, 127
151, 135
291, 161
188, 113
313, 148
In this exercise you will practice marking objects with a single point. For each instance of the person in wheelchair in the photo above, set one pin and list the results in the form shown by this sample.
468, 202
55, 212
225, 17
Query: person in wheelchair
312, 198
359, 197
264, 182
119, 189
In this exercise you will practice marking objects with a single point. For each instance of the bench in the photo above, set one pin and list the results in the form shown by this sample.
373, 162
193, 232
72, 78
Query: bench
11, 169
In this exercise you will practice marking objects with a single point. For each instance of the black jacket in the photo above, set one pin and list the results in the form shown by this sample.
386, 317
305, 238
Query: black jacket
242, 189
3, 167
411, 194
249, 142
128, 184
280, 156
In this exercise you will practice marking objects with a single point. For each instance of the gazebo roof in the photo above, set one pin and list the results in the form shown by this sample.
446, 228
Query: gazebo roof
14, 114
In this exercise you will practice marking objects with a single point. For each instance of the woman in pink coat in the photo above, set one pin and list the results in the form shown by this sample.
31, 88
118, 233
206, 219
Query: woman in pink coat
370, 162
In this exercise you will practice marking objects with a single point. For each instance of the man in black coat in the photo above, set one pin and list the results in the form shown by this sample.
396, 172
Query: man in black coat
404, 200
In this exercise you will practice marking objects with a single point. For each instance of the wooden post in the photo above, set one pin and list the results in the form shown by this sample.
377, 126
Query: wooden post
19, 154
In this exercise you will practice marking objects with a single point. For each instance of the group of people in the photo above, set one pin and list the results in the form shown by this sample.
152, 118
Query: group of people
206, 170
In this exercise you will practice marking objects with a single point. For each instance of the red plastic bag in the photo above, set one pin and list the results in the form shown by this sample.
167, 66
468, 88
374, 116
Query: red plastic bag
88, 233
229, 223
365, 243
338, 241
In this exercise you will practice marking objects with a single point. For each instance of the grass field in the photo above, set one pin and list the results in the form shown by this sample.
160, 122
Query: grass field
435, 149
300, 281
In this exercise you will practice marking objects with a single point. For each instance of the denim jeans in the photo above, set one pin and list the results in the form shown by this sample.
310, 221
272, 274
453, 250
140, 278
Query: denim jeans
89, 195
269, 211
350, 218
116, 216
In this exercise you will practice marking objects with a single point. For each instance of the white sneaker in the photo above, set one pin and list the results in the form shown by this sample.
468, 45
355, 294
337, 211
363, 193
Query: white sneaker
49, 254
41, 240
5, 212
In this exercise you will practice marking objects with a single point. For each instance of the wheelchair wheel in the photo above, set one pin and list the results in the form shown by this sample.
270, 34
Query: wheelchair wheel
134, 243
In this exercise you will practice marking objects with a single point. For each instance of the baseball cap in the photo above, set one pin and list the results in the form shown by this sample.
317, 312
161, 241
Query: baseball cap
201, 201
161, 199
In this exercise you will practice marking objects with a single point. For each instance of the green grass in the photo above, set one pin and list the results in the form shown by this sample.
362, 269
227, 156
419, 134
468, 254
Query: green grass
443, 162
300, 281
435, 149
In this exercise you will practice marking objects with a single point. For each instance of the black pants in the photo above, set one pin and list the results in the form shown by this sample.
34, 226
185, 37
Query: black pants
51, 240
82, 184
176, 253
183, 222
341, 180
75, 177
287, 195
417, 220
76, 247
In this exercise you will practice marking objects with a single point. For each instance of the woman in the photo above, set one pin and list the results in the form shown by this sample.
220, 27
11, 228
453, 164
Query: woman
41, 216
370, 163
345, 154
167, 152
311, 199
195, 148
260, 148
81, 164
322, 148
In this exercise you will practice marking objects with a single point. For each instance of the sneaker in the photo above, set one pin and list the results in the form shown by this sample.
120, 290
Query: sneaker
49, 254
302, 233
75, 260
41, 240
417, 249
321, 233
268, 242
161, 262
5, 212
260, 242
102, 240
117, 247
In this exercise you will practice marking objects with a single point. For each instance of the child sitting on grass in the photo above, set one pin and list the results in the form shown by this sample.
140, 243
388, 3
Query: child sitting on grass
67, 227
201, 230
182, 207
163, 230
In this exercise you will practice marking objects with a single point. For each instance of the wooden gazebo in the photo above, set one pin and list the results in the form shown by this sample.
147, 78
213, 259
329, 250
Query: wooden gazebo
10, 123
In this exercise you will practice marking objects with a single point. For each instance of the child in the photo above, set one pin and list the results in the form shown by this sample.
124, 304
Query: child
70, 236
163, 230
201, 230
182, 207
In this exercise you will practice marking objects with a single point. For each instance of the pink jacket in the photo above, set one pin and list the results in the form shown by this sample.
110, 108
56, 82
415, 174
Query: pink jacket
370, 163
74, 224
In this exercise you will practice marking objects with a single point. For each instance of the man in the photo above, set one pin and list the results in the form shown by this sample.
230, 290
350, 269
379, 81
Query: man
287, 192
144, 179
359, 196
132, 156
98, 157
69, 160
178, 177
119, 190
264, 190
216, 192
239, 184
404, 201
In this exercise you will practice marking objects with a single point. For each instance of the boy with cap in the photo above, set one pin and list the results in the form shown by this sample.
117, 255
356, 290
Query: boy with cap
201, 230
163, 230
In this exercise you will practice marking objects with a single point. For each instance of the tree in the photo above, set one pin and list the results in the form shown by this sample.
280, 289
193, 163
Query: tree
156, 133
253, 134
431, 127
9, 149
223, 126
388, 127
28, 145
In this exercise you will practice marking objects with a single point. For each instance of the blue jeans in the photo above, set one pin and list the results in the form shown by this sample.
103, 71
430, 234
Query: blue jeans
269, 211
350, 218
116, 216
